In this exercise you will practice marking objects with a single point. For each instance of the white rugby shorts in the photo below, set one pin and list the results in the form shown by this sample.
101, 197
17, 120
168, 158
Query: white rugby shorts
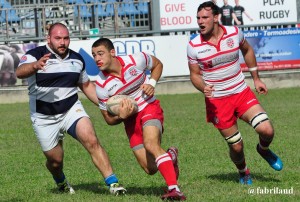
49, 129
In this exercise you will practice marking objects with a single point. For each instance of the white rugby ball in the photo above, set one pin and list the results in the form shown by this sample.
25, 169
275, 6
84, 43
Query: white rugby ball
113, 104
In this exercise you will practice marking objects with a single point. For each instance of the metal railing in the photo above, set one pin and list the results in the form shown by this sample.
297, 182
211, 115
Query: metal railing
30, 22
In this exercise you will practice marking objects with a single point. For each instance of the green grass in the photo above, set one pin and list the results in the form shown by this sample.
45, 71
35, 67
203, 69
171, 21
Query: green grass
207, 173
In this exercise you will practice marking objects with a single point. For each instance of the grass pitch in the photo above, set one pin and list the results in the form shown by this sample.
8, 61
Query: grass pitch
207, 173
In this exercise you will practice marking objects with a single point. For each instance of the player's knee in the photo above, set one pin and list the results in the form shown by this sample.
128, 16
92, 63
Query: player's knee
91, 143
56, 163
151, 147
268, 131
267, 134
236, 148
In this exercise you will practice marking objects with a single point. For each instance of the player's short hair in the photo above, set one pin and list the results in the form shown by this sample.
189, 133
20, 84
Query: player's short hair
55, 25
209, 4
107, 43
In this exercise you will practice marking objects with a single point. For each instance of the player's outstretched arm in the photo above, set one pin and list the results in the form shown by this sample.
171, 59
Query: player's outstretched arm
28, 69
89, 89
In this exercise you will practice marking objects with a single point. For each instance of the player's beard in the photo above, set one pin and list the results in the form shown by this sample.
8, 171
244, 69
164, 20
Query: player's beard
61, 51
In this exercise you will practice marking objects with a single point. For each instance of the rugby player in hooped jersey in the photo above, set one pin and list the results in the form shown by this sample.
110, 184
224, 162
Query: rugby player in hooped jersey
213, 59
127, 75
54, 72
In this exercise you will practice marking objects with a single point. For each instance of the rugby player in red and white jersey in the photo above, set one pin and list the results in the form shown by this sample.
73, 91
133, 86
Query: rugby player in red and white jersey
126, 75
213, 59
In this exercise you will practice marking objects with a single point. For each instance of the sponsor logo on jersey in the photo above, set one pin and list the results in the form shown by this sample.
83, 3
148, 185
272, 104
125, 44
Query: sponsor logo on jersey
23, 58
204, 51
110, 89
225, 58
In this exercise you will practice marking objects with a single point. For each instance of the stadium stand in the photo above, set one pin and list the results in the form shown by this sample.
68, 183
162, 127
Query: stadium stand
26, 20
81, 9
143, 8
8, 13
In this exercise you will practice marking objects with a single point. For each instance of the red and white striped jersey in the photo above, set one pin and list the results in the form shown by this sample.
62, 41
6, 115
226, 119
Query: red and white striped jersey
219, 63
133, 76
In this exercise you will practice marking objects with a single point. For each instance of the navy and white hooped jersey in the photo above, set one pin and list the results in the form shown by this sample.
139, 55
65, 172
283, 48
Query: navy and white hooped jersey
133, 76
219, 63
54, 91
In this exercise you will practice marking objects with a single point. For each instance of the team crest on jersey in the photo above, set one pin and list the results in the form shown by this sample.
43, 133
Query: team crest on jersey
230, 43
133, 72
23, 58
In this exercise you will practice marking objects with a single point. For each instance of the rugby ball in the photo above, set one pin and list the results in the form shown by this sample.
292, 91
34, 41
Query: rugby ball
113, 104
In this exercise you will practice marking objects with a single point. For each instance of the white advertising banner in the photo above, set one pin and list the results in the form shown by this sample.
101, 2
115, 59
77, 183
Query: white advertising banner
178, 14
171, 50
181, 14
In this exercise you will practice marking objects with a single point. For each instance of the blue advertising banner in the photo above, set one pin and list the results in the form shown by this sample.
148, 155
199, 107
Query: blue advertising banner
275, 49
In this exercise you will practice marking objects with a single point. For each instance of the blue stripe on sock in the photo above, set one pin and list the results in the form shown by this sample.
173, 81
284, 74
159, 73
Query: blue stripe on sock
111, 179
60, 180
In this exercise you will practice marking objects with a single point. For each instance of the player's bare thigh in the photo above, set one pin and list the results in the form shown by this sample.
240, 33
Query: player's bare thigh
251, 112
85, 131
229, 131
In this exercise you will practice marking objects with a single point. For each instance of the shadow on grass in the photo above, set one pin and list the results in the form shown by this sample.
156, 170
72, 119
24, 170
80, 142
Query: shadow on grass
233, 177
101, 189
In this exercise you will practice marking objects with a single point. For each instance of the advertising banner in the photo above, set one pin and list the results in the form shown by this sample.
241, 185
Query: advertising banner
275, 49
181, 14
171, 50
